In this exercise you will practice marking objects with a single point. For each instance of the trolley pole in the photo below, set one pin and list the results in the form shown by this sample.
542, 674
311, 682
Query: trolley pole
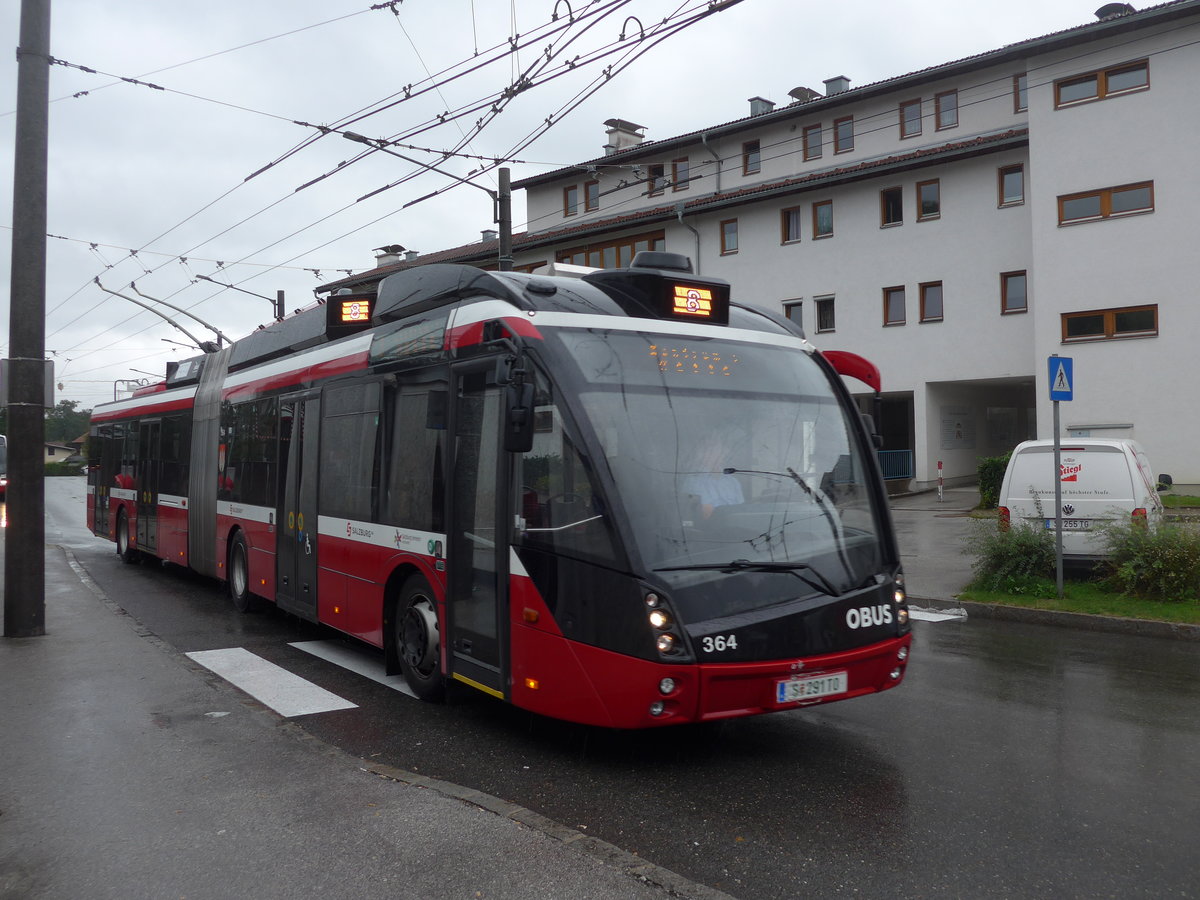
25, 536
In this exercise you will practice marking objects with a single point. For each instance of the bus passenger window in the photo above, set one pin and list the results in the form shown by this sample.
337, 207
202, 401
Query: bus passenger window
558, 503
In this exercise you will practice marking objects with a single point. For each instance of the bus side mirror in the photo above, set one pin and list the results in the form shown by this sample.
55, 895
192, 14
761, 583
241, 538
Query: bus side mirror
518, 419
876, 437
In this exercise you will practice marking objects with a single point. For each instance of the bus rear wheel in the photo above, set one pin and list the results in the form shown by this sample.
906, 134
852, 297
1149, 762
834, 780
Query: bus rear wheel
417, 639
124, 549
239, 576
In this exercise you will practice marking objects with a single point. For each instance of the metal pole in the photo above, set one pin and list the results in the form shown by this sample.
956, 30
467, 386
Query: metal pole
25, 536
1058, 553
504, 217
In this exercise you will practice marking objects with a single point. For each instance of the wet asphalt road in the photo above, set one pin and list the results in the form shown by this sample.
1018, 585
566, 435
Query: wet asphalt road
1015, 760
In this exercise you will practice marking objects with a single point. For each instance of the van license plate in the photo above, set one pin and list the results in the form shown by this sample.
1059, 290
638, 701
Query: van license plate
816, 686
1071, 524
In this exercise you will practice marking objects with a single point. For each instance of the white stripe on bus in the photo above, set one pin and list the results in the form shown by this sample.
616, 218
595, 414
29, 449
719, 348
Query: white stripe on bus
262, 514
325, 353
421, 543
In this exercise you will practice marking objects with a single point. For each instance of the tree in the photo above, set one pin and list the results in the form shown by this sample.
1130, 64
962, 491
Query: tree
66, 422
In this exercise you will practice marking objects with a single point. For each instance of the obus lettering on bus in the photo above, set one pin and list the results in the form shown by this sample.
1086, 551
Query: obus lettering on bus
867, 616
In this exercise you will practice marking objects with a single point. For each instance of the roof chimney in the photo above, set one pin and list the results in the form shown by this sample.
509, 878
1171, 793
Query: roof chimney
489, 234
760, 105
411, 255
622, 135
803, 94
388, 255
836, 85
1112, 10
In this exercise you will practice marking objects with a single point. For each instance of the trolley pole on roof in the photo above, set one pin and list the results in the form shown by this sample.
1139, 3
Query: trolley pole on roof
25, 536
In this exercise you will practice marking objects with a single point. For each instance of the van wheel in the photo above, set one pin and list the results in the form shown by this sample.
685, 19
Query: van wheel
239, 576
417, 639
124, 549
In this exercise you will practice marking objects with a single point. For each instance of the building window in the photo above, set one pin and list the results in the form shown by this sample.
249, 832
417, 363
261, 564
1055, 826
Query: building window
789, 225
822, 219
1012, 185
929, 200
729, 237
1020, 90
679, 174
1088, 206
893, 306
1110, 324
891, 207
751, 158
656, 179
591, 195
931, 301
571, 200
825, 314
794, 310
1014, 296
613, 254
812, 142
843, 134
910, 118
946, 104
1123, 79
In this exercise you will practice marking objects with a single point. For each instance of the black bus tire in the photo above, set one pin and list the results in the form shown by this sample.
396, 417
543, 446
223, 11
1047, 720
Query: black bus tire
125, 549
417, 639
239, 576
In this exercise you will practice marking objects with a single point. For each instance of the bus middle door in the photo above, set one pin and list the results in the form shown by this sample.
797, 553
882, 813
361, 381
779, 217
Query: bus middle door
477, 582
149, 460
296, 548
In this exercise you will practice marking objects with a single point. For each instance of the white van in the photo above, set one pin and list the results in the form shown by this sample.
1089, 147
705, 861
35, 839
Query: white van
1101, 480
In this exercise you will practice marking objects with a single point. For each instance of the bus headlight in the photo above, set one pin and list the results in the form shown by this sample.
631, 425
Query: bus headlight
659, 618
666, 686
665, 643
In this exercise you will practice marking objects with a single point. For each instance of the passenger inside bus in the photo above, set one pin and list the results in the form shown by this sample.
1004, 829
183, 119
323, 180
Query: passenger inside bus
707, 481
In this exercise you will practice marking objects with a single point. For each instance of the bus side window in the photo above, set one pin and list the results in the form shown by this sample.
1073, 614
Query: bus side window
415, 483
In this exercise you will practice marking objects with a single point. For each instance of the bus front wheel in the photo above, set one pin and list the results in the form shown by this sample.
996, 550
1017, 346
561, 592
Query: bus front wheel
239, 576
417, 640
125, 550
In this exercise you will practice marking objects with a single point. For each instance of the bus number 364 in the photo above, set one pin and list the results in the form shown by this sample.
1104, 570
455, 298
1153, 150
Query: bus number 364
719, 643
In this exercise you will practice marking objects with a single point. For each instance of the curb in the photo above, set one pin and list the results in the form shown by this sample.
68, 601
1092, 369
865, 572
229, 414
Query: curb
1080, 621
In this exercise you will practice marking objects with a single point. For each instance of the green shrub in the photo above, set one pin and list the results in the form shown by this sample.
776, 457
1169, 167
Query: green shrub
1159, 564
63, 468
1019, 560
991, 476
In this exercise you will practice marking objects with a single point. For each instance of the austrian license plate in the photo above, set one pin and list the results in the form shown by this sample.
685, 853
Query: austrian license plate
1071, 524
814, 687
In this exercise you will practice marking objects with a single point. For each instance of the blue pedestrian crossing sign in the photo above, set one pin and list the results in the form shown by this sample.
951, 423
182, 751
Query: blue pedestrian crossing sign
1062, 380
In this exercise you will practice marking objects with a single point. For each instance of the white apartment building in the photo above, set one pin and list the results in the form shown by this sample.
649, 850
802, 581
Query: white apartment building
957, 226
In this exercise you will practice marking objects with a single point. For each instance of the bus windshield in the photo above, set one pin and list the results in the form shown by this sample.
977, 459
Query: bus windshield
728, 455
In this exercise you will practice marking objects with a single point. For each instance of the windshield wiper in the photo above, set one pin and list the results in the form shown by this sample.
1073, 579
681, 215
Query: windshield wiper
817, 581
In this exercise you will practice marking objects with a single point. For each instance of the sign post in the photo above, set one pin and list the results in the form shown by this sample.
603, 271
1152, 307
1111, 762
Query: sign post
1062, 386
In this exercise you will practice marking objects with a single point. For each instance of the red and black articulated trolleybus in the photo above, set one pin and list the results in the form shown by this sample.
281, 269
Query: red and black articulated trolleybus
619, 499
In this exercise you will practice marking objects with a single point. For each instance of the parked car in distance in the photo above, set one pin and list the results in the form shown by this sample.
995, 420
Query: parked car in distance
1101, 481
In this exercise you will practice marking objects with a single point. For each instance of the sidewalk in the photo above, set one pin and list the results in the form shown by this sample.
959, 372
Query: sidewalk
129, 772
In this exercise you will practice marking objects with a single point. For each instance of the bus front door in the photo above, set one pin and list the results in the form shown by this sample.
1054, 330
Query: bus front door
296, 550
148, 464
477, 555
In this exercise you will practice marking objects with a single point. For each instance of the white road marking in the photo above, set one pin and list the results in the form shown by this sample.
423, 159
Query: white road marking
930, 615
364, 664
286, 693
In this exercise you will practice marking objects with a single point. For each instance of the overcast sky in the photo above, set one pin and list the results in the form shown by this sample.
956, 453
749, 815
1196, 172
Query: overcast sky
163, 172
